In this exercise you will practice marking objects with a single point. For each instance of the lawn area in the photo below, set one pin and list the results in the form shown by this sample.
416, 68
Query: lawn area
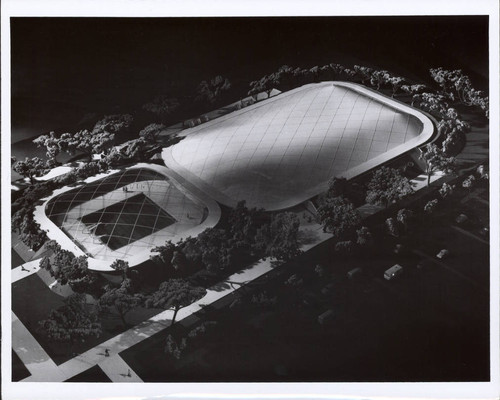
94, 374
19, 371
25, 294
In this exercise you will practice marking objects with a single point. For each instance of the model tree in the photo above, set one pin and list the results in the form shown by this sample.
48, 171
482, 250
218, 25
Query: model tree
175, 294
453, 129
363, 73
458, 87
70, 270
213, 90
404, 216
121, 266
413, 89
151, 131
87, 142
338, 215
265, 84
29, 231
51, 144
392, 227
379, 79
73, 322
279, 238
215, 248
364, 236
284, 78
162, 106
164, 254
113, 124
396, 82
431, 206
446, 190
31, 168
387, 186
120, 299
337, 186
434, 103
435, 160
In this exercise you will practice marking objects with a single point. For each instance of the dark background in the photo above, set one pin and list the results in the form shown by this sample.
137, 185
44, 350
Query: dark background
63, 68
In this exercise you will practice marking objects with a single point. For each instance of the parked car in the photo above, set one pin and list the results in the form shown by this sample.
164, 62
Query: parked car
326, 318
392, 272
354, 273
461, 219
485, 231
443, 253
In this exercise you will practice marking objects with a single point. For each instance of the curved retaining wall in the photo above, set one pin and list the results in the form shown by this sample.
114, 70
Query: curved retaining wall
55, 233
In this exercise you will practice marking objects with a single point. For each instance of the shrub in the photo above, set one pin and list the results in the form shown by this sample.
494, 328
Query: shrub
430, 206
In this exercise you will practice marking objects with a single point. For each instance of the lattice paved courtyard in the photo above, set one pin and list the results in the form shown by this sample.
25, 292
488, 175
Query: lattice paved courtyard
125, 213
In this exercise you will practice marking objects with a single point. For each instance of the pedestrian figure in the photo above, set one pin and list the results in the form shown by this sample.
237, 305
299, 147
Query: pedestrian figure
129, 374
24, 269
106, 353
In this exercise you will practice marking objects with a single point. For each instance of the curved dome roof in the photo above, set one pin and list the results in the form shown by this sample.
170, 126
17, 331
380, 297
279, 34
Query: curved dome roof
282, 151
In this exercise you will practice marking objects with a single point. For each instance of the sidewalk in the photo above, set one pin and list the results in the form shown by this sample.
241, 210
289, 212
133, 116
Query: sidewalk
118, 370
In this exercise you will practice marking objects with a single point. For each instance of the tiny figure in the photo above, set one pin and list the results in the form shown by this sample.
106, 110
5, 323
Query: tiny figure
106, 353
129, 374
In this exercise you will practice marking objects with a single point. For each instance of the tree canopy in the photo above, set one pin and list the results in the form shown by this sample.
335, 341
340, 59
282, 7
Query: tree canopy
72, 322
279, 239
162, 106
68, 269
337, 215
151, 131
51, 144
213, 90
31, 168
436, 160
387, 186
120, 299
458, 87
265, 84
87, 142
113, 124
175, 294
120, 265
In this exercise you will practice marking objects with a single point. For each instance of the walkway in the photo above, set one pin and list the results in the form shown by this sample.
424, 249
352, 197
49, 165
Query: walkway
118, 370
33, 356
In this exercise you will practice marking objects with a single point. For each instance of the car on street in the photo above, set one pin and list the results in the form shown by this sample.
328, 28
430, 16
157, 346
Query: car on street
443, 253
392, 272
